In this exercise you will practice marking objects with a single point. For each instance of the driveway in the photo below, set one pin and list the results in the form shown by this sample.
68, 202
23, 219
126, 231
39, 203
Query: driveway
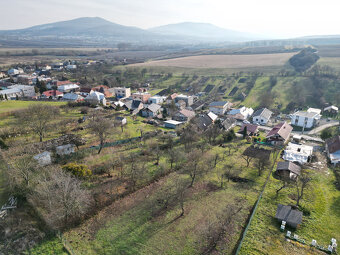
322, 127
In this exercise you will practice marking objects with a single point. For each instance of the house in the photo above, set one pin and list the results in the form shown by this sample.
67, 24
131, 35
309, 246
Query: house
242, 113
204, 121
292, 217
189, 100
315, 110
103, 89
71, 67
95, 98
279, 134
142, 96
228, 123
68, 88
27, 91
252, 130
172, 124
121, 92
298, 153
219, 107
13, 71
72, 97
156, 99
134, 106
287, 170
333, 149
305, 119
183, 115
262, 116
198, 105
171, 98
120, 120
151, 110
331, 109
52, 94
212, 116
85, 91
25, 79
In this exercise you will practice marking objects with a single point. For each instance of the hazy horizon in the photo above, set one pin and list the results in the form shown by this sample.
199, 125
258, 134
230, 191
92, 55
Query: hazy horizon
264, 17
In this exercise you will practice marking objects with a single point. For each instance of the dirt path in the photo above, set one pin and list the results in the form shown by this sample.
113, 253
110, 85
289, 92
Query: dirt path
320, 128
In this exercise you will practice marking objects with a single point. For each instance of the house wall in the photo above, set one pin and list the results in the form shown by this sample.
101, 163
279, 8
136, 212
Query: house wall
260, 120
219, 110
300, 121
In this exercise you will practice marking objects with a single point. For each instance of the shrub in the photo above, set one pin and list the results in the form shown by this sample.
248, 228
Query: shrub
3, 145
78, 170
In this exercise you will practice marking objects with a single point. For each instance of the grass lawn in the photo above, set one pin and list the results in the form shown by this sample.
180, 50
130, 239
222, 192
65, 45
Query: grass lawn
13, 105
321, 199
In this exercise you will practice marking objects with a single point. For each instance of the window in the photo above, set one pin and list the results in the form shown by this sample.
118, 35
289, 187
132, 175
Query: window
261, 120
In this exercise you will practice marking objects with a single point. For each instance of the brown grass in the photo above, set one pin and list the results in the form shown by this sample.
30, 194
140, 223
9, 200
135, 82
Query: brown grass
223, 61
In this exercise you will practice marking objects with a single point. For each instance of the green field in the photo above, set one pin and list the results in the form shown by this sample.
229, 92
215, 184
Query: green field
10, 106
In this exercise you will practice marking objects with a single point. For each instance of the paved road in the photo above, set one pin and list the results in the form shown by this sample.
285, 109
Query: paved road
322, 127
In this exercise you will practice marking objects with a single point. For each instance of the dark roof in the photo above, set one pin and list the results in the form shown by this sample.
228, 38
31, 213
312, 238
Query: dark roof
203, 122
263, 112
85, 90
333, 144
133, 104
290, 166
219, 103
197, 105
286, 213
283, 129
251, 128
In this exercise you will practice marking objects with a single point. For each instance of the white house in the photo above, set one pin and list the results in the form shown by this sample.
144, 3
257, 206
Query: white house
27, 91
331, 109
156, 99
243, 111
65, 149
189, 100
219, 107
305, 119
315, 110
72, 97
298, 153
13, 71
68, 88
96, 98
151, 110
262, 116
333, 149
121, 92
44, 158
71, 67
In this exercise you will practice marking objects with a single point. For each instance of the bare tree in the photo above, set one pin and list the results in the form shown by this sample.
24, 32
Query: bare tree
38, 118
262, 164
61, 198
196, 165
247, 158
189, 137
230, 147
101, 127
21, 173
135, 172
301, 184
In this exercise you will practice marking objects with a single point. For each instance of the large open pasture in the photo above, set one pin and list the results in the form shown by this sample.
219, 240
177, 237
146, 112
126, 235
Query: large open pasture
223, 61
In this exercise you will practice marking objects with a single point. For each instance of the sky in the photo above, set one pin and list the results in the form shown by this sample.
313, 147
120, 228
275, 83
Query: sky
274, 18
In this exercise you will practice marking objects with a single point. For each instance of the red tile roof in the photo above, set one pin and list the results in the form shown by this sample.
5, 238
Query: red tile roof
282, 129
52, 93
251, 128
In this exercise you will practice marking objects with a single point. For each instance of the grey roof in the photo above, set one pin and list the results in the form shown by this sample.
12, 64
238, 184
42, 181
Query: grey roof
286, 213
306, 114
263, 112
153, 107
133, 104
203, 122
333, 144
287, 165
218, 103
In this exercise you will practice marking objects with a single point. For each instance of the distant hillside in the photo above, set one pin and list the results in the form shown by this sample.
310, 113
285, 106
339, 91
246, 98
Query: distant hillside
204, 31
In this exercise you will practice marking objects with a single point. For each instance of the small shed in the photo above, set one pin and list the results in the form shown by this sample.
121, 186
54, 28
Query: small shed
65, 149
172, 124
43, 159
287, 170
292, 217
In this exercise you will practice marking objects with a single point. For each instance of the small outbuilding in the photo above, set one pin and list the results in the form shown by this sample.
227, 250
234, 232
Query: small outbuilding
287, 170
43, 159
292, 217
65, 149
